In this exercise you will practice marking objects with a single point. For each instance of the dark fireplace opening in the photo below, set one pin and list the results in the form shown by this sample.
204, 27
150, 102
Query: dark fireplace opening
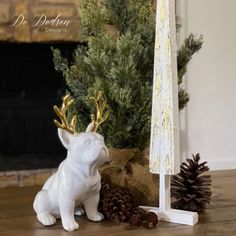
29, 87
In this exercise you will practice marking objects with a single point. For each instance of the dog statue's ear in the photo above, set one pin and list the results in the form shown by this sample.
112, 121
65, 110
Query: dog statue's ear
65, 137
90, 128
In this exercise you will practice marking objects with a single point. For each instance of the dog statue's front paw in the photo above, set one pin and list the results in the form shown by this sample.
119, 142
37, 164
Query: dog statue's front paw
46, 219
96, 217
70, 226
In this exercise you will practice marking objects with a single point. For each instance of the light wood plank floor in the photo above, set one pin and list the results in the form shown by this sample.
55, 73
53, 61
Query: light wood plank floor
17, 217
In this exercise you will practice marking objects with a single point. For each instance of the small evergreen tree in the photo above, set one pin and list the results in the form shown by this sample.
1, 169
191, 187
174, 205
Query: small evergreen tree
121, 66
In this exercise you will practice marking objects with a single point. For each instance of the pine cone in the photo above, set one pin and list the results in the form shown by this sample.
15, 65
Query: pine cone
139, 211
135, 220
105, 186
190, 188
151, 220
118, 204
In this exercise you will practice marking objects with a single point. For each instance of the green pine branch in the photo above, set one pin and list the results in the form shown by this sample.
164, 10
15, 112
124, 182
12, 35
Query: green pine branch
122, 67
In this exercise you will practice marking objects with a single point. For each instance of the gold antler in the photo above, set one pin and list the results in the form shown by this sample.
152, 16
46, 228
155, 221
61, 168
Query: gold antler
100, 106
61, 113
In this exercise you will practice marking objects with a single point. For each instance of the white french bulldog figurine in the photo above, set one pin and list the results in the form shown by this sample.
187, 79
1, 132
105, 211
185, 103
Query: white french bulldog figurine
77, 181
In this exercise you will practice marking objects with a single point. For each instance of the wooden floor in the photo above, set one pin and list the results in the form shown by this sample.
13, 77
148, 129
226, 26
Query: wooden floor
17, 217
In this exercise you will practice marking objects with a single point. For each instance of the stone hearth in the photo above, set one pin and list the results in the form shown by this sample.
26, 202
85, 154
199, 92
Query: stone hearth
24, 177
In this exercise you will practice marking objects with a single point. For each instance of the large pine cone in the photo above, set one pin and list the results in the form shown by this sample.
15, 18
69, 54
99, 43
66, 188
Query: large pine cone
118, 204
190, 188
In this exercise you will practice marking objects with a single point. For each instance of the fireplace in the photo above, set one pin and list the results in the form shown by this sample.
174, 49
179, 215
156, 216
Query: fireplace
29, 84
29, 87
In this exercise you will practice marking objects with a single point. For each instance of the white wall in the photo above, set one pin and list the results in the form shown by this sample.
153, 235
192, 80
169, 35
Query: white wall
209, 126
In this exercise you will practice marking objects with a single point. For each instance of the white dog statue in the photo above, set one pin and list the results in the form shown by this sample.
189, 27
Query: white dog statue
77, 181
